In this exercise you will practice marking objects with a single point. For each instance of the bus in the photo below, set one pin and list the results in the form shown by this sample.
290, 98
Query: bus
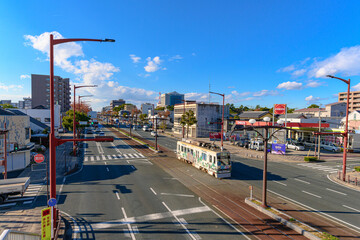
205, 157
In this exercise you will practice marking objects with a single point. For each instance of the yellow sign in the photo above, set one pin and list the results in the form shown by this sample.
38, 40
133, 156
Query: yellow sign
46, 223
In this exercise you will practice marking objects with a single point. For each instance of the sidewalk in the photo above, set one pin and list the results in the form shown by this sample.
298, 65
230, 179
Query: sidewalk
24, 216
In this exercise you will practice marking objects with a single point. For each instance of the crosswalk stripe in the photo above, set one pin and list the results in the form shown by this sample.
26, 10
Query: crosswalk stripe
103, 157
86, 159
141, 155
92, 158
109, 157
98, 158
119, 156
114, 156
131, 155
125, 155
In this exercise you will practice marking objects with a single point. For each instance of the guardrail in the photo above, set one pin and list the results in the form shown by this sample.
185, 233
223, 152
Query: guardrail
9, 234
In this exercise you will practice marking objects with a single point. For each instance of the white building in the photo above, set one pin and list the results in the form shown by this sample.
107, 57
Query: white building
145, 107
170, 99
43, 115
92, 114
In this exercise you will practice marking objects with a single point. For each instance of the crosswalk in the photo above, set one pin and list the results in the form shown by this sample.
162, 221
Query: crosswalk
113, 156
28, 197
317, 166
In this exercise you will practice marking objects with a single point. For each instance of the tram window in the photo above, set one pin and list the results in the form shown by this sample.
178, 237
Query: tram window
182, 148
192, 152
210, 159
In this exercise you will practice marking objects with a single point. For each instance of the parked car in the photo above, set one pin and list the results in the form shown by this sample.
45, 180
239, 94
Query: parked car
153, 134
295, 146
145, 128
330, 147
309, 144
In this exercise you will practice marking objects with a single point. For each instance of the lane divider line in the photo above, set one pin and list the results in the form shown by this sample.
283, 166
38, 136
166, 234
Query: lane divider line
117, 195
153, 191
280, 183
329, 189
299, 180
128, 225
354, 209
311, 194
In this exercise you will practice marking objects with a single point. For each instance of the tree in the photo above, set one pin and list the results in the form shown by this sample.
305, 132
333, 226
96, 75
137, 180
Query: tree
67, 121
119, 108
143, 118
170, 107
188, 119
5, 105
83, 107
160, 108
163, 125
313, 106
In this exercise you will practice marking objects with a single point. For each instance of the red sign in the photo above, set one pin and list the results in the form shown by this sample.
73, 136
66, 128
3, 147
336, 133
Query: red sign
238, 122
279, 108
39, 158
215, 136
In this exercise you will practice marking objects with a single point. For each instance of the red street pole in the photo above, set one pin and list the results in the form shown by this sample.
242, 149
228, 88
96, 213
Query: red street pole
346, 125
264, 205
183, 128
5, 154
53, 140
74, 124
222, 120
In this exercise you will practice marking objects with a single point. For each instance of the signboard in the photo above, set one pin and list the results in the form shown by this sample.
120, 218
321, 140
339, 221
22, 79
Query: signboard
215, 136
46, 223
83, 122
277, 148
279, 108
238, 122
39, 158
52, 202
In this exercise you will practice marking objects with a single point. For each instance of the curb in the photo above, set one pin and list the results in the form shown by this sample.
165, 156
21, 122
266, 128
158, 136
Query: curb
295, 227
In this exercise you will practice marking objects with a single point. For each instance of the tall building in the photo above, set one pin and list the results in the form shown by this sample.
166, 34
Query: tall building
170, 99
40, 91
354, 100
145, 107
205, 113
116, 103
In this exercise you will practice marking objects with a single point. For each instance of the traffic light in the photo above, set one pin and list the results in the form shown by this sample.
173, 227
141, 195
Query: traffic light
208, 123
16, 147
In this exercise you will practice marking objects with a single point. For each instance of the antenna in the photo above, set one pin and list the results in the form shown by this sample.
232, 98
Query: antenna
209, 90
159, 98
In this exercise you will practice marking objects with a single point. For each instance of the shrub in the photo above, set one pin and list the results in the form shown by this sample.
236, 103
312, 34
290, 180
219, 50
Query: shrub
310, 159
357, 168
327, 236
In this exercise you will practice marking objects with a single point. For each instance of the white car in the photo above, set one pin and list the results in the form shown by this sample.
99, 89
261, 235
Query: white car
295, 146
153, 133
145, 128
330, 147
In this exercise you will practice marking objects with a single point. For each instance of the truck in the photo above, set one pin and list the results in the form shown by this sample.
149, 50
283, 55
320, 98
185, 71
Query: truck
256, 144
13, 186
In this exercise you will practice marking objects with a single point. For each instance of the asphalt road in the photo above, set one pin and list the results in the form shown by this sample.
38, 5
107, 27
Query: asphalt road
306, 184
119, 193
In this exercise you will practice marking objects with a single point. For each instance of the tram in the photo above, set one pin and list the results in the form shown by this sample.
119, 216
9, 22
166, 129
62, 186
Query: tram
205, 157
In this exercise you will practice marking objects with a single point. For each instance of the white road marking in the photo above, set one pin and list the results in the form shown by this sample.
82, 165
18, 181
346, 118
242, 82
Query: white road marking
125, 155
299, 180
103, 157
27, 202
105, 163
150, 217
317, 211
132, 167
114, 156
107, 169
117, 195
354, 209
109, 157
98, 158
178, 195
119, 156
92, 158
86, 159
128, 161
76, 226
128, 225
311, 194
153, 191
182, 225
335, 191
280, 183
20, 199
7, 205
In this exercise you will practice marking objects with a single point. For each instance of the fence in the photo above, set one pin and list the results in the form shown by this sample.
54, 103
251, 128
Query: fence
8, 234
350, 179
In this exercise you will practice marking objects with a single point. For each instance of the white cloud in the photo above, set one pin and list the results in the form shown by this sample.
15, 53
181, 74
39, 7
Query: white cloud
313, 83
12, 87
263, 93
298, 73
347, 62
152, 64
176, 57
243, 94
197, 96
287, 69
134, 58
24, 76
290, 85
311, 99
356, 87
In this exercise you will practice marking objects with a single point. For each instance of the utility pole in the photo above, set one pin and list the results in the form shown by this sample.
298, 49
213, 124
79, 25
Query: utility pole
5, 152
319, 137
156, 145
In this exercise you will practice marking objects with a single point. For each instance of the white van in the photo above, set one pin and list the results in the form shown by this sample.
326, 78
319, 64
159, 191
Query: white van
145, 128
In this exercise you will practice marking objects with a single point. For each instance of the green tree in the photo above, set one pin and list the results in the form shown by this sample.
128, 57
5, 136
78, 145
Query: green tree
160, 108
119, 108
7, 106
143, 118
67, 121
188, 119
313, 106
163, 125
170, 107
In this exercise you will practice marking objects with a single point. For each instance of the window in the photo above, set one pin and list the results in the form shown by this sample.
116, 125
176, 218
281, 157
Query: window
210, 159
47, 119
27, 133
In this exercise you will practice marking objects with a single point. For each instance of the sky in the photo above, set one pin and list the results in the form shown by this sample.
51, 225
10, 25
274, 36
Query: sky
255, 52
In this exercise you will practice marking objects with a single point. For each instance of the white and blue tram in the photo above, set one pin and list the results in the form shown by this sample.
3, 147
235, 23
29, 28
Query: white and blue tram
214, 162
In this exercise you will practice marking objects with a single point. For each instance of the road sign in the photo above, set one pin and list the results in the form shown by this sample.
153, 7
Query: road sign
46, 223
279, 108
39, 158
52, 202
83, 122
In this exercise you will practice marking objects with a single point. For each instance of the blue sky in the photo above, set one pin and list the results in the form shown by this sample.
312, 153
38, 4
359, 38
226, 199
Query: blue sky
256, 52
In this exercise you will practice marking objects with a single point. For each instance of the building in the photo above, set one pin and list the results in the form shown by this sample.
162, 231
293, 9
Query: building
354, 100
116, 103
170, 99
93, 115
353, 120
40, 91
257, 115
337, 109
208, 117
36, 126
145, 107
43, 115
311, 112
129, 107
5, 101
18, 140
25, 104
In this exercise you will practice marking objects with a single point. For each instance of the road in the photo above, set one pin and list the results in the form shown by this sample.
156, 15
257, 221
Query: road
305, 184
119, 193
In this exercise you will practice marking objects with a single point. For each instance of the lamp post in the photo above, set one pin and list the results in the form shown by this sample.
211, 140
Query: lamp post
53, 140
345, 134
74, 113
222, 119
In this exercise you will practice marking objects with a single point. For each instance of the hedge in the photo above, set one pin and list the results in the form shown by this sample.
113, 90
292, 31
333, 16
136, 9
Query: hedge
357, 168
310, 159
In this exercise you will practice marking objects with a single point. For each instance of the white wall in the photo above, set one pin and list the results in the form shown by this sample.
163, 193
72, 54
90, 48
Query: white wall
42, 114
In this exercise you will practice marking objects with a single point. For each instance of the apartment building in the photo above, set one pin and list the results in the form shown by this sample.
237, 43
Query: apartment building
116, 103
208, 118
354, 100
145, 107
40, 91
170, 99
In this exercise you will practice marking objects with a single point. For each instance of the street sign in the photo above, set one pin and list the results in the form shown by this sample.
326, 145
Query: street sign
83, 122
52, 202
279, 108
46, 223
39, 158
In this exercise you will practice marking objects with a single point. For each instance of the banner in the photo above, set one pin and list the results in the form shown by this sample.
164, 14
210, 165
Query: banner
215, 136
279, 108
277, 148
46, 223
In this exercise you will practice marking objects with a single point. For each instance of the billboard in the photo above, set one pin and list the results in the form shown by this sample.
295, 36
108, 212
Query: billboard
277, 148
279, 108
215, 136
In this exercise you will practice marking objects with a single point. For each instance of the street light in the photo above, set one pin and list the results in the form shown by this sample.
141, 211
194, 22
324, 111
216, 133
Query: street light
53, 140
74, 123
222, 119
345, 134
